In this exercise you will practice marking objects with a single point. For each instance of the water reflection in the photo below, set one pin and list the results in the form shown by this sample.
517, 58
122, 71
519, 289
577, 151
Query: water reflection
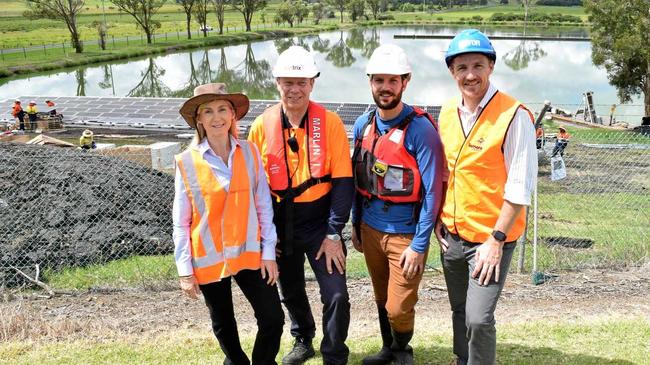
254, 78
340, 54
80, 75
519, 57
151, 84
523, 70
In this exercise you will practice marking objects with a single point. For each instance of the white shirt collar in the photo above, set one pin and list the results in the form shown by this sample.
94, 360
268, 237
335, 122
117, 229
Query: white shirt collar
204, 146
486, 98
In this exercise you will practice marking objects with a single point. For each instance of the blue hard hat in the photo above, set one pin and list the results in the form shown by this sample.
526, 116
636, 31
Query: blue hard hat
470, 41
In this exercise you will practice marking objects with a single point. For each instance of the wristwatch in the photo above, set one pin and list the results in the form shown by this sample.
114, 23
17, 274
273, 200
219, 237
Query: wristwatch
499, 236
333, 237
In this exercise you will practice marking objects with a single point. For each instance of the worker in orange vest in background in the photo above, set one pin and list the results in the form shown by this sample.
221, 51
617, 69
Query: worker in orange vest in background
51, 105
223, 224
489, 142
561, 143
539, 136
19, 113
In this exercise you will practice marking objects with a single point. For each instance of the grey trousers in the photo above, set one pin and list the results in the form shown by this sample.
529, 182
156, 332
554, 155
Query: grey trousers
472, 305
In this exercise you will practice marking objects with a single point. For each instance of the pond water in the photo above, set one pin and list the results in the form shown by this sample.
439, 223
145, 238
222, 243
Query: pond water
532, 71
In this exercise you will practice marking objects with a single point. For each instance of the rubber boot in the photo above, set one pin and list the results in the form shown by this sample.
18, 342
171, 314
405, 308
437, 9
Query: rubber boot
402, 352
385, 355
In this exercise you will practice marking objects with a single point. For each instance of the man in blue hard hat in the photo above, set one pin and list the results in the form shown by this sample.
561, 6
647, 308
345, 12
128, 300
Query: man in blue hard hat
489, 144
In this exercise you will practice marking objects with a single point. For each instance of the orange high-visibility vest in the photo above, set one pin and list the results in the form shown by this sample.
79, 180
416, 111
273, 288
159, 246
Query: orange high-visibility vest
276, 166
477, 172
225, 233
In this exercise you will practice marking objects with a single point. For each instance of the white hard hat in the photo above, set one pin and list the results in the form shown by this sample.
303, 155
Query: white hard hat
17, 100
32, 102
295, 61
388, 59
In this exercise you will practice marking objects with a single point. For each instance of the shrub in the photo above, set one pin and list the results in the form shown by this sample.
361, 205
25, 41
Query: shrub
408, 8
477, 18
385, 17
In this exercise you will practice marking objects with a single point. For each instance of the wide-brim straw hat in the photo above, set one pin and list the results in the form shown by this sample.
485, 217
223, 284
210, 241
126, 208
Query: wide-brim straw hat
209, 92
87, 133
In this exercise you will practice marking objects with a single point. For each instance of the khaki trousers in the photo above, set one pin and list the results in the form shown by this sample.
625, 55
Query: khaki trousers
382, 252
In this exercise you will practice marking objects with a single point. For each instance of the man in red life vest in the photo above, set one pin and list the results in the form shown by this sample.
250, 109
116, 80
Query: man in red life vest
398, 167
306, 156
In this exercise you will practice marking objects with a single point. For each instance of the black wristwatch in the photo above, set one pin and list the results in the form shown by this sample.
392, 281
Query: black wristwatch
499, 236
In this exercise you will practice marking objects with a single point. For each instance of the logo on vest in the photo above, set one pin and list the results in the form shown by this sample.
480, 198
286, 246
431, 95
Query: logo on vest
274, 169
316, 139
478, 146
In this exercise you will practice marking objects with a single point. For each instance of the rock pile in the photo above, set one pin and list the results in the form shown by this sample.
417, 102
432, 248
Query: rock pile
62, 207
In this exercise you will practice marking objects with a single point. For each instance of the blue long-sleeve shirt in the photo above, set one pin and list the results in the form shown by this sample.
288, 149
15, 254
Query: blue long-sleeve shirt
422, 141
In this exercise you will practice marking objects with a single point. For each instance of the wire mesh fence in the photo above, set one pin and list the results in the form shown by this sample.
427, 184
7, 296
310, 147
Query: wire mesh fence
75, 219
598, 216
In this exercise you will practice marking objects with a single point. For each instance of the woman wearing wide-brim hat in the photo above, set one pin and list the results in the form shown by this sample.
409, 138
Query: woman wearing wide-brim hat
223, 223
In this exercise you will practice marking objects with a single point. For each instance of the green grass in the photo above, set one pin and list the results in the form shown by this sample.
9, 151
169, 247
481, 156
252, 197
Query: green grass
142, 270
526, 343
133, 271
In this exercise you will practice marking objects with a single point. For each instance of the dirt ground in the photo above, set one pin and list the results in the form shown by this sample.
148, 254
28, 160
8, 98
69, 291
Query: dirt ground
102, 316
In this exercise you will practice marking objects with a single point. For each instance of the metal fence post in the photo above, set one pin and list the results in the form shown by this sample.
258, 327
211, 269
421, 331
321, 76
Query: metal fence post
64, 52
44, 50
127, 40
24, 53
113, 36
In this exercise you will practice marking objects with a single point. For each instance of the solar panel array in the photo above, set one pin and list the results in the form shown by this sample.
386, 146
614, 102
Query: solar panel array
162, 113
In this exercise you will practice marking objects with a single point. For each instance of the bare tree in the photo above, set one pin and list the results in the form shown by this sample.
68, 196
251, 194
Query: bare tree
526, 4
201, 15
187, 8
248, 8
101, 32
142, 11
65, 10
220, 9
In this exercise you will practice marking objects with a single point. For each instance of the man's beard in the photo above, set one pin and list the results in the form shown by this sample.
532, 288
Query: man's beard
387, 106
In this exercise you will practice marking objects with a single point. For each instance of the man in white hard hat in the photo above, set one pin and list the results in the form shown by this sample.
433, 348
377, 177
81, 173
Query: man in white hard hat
398, 167
306, 156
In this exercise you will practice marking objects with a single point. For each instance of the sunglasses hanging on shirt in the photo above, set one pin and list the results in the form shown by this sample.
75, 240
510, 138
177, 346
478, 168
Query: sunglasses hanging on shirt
293, 144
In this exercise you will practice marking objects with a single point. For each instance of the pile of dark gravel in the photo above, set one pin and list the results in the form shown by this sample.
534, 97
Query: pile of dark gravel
62, 207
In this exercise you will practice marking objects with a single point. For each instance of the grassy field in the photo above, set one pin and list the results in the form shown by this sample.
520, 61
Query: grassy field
620, 342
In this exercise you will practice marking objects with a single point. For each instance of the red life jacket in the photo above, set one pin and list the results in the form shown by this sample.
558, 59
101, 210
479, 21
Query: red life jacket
383, 167
276, 154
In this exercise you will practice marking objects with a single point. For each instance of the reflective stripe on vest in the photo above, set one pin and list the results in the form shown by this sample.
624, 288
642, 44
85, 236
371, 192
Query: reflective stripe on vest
233, 243
477, 172
276, 166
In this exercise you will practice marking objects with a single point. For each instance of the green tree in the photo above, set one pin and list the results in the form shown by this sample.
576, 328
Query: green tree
65, 10
287, 12
142, 11
527, 4
356, 8
318, 9
620, 35
248, 8
340, 5
187, 9
375, 6
301, 10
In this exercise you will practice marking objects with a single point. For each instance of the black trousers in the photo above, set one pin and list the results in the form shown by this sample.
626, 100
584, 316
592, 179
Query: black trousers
266, 304
333, 293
